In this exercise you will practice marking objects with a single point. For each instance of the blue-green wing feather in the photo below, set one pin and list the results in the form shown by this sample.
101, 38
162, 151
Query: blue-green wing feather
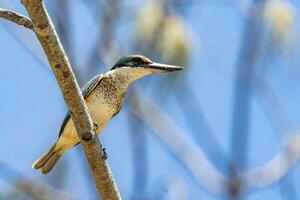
85, 91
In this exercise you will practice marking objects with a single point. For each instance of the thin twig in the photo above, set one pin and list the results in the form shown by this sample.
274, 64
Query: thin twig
183, 147
61, 67
276, 168
198, 164
41, 191
273, 107
33, 188
140, 158
243, 87
211, 146
16, 18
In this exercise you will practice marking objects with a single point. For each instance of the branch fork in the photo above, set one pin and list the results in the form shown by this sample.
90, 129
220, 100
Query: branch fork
41, 24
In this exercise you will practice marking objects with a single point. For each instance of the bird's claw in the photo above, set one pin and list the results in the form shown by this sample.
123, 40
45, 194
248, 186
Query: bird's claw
104, 154
95, 126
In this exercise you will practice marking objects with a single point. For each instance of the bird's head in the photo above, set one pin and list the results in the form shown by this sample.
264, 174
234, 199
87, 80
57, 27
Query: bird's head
138, 66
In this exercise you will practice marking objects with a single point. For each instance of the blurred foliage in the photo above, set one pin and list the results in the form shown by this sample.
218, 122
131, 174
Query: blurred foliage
162, 31
280, 16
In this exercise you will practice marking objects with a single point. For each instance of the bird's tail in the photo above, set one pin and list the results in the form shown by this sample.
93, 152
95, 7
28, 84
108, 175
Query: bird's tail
47, 161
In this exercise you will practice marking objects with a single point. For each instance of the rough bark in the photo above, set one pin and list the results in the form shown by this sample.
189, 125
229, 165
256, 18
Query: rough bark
45, 32
16, 18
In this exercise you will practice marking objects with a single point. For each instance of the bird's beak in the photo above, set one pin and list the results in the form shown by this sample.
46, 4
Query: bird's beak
158, 67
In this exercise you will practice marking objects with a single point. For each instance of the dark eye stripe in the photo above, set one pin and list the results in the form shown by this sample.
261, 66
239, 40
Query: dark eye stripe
132, 61
141, 60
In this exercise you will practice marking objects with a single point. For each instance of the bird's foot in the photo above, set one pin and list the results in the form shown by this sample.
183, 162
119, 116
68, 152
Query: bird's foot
95, 126
104, 154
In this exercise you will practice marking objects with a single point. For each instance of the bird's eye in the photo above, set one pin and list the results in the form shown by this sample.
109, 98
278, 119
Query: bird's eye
141, 61
138, 61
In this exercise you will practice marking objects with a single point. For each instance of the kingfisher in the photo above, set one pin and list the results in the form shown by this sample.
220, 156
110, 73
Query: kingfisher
104, 96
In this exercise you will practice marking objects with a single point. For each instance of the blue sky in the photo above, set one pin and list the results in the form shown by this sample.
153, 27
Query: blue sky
32, 106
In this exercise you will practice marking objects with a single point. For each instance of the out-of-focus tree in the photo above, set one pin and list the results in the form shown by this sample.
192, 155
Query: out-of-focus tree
162, 30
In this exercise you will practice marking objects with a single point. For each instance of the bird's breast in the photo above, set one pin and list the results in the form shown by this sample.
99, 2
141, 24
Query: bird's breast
103, 107
103, 103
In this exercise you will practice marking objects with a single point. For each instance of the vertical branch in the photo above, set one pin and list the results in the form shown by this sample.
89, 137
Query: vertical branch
61, 67
287, 188
166, 129
104, 45
242, 104
210, 145
241, 99
139, 152
63, 26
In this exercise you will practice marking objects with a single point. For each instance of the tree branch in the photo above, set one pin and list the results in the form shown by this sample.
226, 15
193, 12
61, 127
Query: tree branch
198, 164
61, 67
41, 191
276, 168
33, 188
16, 18
183, 147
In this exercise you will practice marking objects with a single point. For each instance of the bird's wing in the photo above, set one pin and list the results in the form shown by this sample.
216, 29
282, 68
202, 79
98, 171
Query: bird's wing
85, 91
64, 123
